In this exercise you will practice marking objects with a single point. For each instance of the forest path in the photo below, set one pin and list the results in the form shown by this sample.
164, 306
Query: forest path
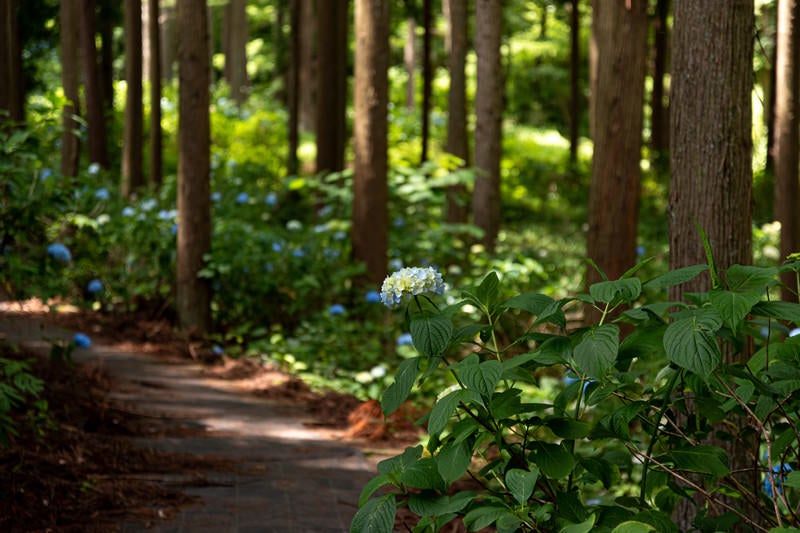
289, 476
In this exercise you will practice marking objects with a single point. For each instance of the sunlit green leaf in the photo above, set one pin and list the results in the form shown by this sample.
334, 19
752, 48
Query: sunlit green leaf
596, 353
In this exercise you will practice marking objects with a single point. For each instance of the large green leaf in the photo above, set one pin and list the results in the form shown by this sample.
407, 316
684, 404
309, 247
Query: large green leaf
691, 343
675, 277
424, 474
443, 409
484, 516
377, 516
482, 377
396, 393
625, 290
568, 428
596, 353
703, 459
780, 310
553, 460
521, 483
431, 333
632, 526
742, 278
733, 306
453, 460
531, 302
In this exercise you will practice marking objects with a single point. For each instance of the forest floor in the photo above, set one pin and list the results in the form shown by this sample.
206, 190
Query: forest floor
89, 439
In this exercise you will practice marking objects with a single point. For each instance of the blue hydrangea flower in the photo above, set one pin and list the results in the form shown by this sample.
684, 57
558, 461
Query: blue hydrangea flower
640, 251
339, 236
46, 173
102, 194
276, 247
325, 211
217, 350
60, 252
242, 198
336, 309
395, 264
405, 340
299, 252
294, 225
409, 282
331, 253
399, 222
271, 199
94, 286
128, 211
94, 168
373, 297
377, 372
795, 332
779, 473
148, 204
174, 229
216, 196
82, 340
164, 215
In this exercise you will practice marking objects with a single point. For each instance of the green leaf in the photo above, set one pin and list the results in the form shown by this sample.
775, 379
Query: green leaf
396, 393
625, 290
484, 516
442, 411
784, 530
521, 483
531, 302
430, 333
584, 527
371, 486
675, 277
779, 310
744, 278
453, 460
553, 460
596, 353
606, 472
432, 504
567, 428
377, 516
482, 378
703, 459
733, 306
632, 526
424, 474
792, 480
712, 265
691, 343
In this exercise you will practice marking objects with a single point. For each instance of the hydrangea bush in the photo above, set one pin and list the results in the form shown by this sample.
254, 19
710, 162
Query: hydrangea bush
641, 425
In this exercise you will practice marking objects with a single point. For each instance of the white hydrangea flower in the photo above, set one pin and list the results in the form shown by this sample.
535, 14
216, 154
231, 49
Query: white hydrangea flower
408, 282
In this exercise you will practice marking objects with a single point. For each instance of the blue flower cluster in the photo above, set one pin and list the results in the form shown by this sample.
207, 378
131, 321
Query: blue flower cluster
82, 340
779, 473
336, 310
408, 282
94, 286
59, 252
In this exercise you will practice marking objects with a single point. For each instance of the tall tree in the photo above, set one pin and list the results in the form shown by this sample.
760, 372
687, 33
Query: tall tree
132, 175
154, 67
193, 294
236, 37
457, 139
308, 65
95, 117
410, 56
371, 97
12, 95
293, 89
488, 119
711, 164
574, 79
331, 126
70, 80
108, 18
659, 112
619, 39
427, 76
169, 44
786, 142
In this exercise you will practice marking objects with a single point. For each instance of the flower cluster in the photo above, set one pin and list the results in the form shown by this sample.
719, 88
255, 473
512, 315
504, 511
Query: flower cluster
82, 340
59, 252
779, 473
408, 282
94, 286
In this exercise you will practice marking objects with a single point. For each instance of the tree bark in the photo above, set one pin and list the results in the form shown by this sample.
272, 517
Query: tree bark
711, 168
332, 84
659, 112
294, 87
236, 33
70, 80
193, 293
786, 142
370, 187
108, 16
95, 117
427, 78
457, 138
156, 134
410, 62
574, 79
132, 174
489, 120
619, 36
12, 95
169, 45
308, 65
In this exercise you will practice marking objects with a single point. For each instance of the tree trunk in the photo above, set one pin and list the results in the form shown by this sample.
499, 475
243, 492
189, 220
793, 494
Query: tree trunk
308, 65
457, 138
95, 117
659, 112
370, 186
294, 87
156, 154
132, 176
168, 42
193, 293
489, 120
332, 84
427, 78
70, 80
711, 164
236, 33
410, 62
787, 144
107, 19
574, 80
619, 34
12, 95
